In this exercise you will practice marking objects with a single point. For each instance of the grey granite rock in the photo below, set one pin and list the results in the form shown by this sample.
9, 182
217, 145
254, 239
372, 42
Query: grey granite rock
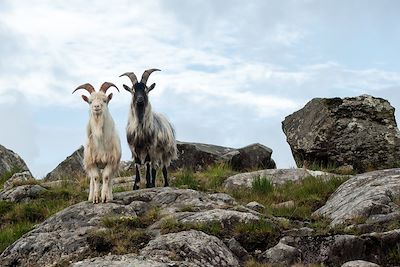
191, 246
357, 131
9, 161
366, 196
22, 193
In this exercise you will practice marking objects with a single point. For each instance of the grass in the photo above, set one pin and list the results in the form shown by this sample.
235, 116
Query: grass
7, 175
17, 219
308, 195
123, 234
211, 179
252, 236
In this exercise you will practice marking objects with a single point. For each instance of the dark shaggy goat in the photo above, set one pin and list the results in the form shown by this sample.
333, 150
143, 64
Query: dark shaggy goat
150, 136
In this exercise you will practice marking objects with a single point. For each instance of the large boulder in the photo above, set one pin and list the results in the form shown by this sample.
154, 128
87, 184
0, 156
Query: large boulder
358, 131
366, 196
255, 156
197, 156
69, 169
11, 161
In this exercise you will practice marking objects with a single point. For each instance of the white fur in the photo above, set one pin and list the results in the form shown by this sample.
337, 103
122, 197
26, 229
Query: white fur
102, 149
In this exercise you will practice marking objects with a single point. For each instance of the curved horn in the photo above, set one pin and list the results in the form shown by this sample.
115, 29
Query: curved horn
86, 86
146, 75
131, 76
105, 86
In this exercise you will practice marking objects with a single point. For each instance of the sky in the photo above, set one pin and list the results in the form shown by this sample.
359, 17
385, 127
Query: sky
231, 70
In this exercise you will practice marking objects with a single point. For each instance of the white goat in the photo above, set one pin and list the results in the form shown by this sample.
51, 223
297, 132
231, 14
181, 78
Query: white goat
150, 136
103, 147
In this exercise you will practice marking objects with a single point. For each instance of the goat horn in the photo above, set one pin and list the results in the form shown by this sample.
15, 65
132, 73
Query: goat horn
146, 75
105, 86
131, 76
86, 86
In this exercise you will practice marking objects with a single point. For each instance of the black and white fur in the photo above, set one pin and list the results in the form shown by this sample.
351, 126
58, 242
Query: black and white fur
150, 135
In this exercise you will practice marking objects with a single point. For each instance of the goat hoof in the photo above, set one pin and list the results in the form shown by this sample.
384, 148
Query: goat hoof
135, 187
149, 185
166, 184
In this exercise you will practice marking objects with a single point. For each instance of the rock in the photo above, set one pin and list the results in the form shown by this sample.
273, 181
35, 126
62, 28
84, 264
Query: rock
191, 246
124, 183
71, 168
237, 249
287, 204
22, 193
358, 131
276, 176
225, 217
255, 206
303, 231
281, 254
10, 161
364, 196
359, 263
62, 237
129, 260
19, 177
255, 156
338, 249
196, 156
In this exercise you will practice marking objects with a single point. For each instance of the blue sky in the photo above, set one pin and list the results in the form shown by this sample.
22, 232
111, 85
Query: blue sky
231, 70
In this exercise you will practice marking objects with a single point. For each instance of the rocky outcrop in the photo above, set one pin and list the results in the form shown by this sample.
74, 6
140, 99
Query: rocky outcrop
69, 169
335, 250
18, 178
64, 236
369, 196
281, 254
276, 176
22, 193
10, 161
197, 157
192, 246
357, 131
129, 260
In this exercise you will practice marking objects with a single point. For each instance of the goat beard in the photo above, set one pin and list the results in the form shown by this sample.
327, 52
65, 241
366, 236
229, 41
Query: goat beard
140, 112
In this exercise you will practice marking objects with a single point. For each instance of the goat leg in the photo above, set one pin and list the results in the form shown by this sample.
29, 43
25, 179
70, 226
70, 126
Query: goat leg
165, 174
137, 177
153, 176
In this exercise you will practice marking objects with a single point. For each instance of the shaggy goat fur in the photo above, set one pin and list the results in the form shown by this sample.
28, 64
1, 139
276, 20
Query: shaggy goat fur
103, 147
151, 137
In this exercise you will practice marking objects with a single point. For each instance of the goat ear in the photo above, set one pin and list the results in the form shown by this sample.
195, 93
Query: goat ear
109, 97
151, 87
127, 88
85, 98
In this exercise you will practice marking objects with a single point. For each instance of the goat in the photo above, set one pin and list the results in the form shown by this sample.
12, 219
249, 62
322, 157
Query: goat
150, 135
103, 147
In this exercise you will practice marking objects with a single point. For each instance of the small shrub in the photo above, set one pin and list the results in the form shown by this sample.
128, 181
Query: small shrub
262, 185
394, 255
188, 208
172, 225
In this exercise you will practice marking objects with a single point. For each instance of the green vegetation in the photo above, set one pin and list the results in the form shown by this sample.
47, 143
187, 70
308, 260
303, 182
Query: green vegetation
123, 234
7, 175
252, 236
307, 195
394, 255
211, 179
18, 218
